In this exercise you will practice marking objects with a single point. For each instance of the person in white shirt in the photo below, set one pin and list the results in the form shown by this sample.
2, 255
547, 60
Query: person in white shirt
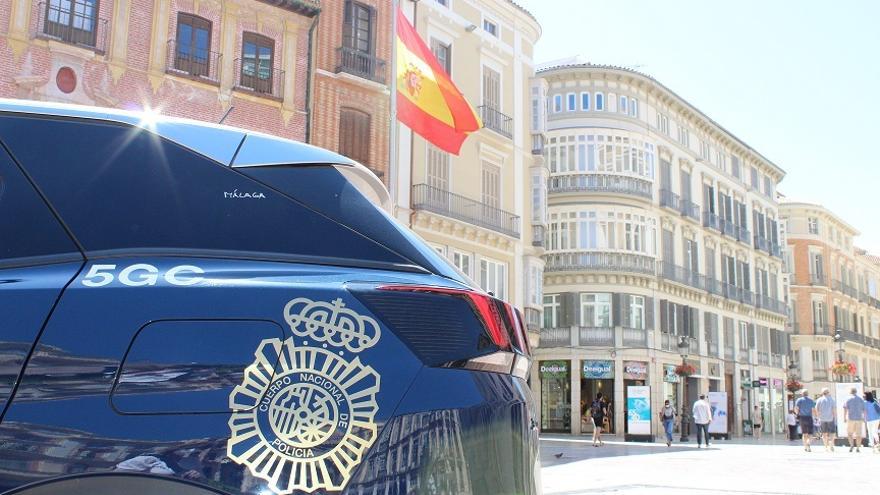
792, 422
702, 413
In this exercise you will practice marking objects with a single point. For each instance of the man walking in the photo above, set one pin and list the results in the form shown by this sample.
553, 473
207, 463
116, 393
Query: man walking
667, 416
854, 415
702, 412
826, 409
804, 408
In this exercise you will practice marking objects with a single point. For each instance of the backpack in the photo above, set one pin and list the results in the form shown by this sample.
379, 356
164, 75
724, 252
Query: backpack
596, 408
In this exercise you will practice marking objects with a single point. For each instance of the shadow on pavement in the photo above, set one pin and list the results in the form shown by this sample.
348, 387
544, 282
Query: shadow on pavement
575, 448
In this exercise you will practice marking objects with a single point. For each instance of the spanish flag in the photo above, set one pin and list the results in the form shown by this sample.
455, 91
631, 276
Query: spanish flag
427, 100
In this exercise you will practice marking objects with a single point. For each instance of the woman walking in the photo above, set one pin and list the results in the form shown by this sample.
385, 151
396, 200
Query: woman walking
872, 410
597, 413
667, 417
757, 418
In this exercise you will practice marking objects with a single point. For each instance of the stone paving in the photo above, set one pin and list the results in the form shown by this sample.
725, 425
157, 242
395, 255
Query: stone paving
769, 467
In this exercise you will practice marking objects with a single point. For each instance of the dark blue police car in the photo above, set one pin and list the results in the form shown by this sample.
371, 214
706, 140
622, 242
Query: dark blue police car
197, 309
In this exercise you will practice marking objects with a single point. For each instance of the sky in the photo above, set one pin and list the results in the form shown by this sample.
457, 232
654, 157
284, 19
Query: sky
799, 81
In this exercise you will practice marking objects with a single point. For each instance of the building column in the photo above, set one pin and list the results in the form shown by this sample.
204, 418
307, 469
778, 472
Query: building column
575, 376
288, 64
619, 404
19, 23
119, 38
228, 37
159, 42
806, 360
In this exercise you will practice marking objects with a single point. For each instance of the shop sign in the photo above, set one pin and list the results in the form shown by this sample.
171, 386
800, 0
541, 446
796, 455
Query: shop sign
756, 383
553, 369
635, 370
669, 374
762, 381
777, 383
598, 369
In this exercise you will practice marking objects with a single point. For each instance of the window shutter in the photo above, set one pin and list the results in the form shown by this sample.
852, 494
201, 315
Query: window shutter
707, 316
695, 322
649, 313
751, 332
664, 320
570, 309
682, 320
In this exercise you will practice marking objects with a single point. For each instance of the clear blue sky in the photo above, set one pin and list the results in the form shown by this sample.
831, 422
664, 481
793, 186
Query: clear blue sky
797, 80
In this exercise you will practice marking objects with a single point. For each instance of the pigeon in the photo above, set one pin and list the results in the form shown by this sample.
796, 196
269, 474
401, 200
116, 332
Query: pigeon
557, 455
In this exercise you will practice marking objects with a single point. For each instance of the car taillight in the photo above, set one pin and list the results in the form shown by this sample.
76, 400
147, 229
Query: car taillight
502, 323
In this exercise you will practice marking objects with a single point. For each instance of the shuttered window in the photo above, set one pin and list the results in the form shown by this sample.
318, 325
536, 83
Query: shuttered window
358, 27
354, 135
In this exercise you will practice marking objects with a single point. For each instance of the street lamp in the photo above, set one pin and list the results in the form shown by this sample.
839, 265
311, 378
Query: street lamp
683, 347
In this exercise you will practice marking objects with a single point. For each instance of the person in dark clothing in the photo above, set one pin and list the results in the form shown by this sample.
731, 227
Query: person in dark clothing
598, 410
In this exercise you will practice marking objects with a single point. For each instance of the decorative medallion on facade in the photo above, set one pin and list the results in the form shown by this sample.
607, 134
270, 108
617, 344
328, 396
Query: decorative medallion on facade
304, 415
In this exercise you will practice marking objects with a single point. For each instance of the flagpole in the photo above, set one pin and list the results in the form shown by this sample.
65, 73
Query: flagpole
412, 135
393, 166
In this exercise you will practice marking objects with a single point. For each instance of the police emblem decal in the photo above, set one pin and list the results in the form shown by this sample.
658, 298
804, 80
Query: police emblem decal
304, 416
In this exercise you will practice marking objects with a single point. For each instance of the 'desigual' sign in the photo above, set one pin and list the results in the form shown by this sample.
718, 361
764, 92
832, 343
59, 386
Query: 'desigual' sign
635, 370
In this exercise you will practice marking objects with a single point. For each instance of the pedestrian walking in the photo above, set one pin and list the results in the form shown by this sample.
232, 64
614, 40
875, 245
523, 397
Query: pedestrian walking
826, 409
792, 422
667, 417
854, 416
804, 407
598, 411
757, 421
702, 413
872, 413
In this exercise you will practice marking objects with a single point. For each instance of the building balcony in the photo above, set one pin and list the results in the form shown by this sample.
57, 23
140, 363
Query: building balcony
776, 360
533, 319
764, 358
742, 234
820, 375
669, 199
682, 275
73, 22
599, 261
601, 183
538, 144
762, 243
770, 304
840, 286
493, 119
538, 235
728, 228
189, 61
712, 348
634, 337
689, 209
360, 64
734, 293
822, 330
850, 336
775, 250
455, 206
596, 336
555, 337
818, 280
253, 77
712, 221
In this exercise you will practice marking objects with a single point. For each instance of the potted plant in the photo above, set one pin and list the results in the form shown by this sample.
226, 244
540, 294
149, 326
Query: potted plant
685, 370
792, 385
843, 368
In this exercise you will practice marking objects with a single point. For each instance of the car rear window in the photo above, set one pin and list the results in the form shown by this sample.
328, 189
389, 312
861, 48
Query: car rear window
119, 187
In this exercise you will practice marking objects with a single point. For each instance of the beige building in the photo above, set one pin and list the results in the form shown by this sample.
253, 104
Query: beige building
662, 242
476, 208
834, 297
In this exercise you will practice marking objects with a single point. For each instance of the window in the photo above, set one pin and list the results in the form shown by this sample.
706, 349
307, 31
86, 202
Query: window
596, 310
768, 186
572, 102
754, 174
437, 176
444, 3
443, 53
462, 261
490, 27
551, 311
493, 277
734, 166
193, 45
820, 362
813, 225
622, 107
354, 135
744, 336
257, 62
600, 229
683, 136
662, 123
705, 150
491, 185
637, 312
600, 101
557, 103
72, 21
358, 27
585, 101
634, 107
491, 90
439, 248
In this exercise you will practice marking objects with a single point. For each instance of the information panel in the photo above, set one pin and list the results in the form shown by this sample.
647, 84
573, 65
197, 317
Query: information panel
638, 405
718, 402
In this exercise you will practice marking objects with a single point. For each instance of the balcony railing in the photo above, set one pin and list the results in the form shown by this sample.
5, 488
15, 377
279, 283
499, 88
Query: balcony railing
735, 293
538, 232
822, 330
689, 209
253, 76
712, 221
728, 352
776, 360
188, 60
728, 228
599, 261
850, 336
775, 250
839, 286
602, 183
361, 64
768, 303
669, 199
533, 319
497, 121
820, 374
762, 243
742, 235
596, 336
818, 279
634, 337
76, 23
682, 275
452, 205
555, 337
668, 342
764, 358
537, 144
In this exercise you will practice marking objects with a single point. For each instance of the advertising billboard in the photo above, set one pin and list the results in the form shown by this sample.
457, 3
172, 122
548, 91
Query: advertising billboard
638, 406
718, 403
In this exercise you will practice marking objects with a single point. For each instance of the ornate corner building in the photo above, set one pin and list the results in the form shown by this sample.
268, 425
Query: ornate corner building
663, 245
834, 298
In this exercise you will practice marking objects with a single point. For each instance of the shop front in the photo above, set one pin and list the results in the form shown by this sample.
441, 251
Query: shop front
778, 410
672, 388
555, 396
762, 400
635, 374
597, 376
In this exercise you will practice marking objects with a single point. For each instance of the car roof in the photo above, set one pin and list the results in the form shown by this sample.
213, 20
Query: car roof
230, 146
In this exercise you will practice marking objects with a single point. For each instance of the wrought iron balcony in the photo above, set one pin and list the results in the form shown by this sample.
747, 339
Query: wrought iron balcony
533, 319
850, 336
735, 293
601, 183
712, 221
634, 337
818, 279
251, 75
670, 271
538, 232
847, 289
770, 304
538, 144
762, 243
596, 336
670, 200
775, 250
185, 59
452, 205
742, 235
728, 228
599, 261
75, 22
689, 209
361, 64
497, 121
555, 337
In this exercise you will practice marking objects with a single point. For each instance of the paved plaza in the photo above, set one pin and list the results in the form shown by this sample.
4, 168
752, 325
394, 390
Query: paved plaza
771, 467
